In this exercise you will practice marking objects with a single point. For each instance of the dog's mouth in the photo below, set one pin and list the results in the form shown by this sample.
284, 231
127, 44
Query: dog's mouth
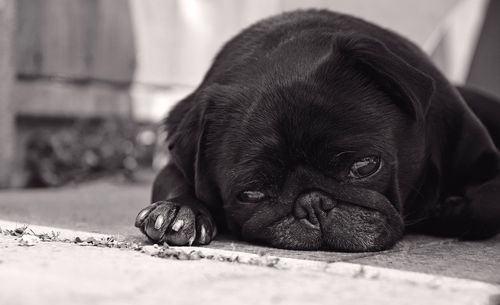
348, 225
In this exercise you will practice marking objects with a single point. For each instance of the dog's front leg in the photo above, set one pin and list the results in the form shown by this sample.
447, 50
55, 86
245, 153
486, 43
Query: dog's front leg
176, 216
483, 210
471, 216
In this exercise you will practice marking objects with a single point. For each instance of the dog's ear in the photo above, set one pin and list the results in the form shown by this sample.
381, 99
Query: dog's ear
411, 88
187, 127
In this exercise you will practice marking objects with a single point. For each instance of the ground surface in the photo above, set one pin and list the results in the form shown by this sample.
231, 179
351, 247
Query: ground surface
110, 207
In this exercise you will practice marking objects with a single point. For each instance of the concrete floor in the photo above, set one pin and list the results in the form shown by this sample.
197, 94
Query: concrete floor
109, 207
62, 273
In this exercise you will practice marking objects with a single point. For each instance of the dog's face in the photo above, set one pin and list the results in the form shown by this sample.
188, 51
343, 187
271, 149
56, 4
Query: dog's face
309, 170
318, 156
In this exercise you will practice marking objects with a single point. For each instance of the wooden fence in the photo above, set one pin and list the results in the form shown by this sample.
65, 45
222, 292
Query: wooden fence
61, 59
73, 57
7, 15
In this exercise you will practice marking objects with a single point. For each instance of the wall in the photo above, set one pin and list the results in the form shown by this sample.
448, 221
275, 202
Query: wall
74, 58
7, 27
485, 69
177, 39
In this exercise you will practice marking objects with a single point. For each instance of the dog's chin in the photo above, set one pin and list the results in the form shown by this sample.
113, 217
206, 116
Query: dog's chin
347, 228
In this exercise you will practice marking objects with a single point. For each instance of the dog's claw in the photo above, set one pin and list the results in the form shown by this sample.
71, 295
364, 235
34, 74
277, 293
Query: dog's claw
191, 240
176, 224
159, 222
214, 232
203, 234
141, 217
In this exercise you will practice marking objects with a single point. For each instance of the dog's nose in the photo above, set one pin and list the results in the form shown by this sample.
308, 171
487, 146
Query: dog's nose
307, 206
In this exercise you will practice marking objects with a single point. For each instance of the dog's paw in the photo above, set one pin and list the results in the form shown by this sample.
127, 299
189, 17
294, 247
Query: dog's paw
459, 215
176, 224
454, 207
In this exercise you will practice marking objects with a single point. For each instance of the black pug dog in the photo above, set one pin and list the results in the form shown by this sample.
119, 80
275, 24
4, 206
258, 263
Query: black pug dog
317, 130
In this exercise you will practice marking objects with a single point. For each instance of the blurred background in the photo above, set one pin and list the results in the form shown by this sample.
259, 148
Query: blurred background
84, 83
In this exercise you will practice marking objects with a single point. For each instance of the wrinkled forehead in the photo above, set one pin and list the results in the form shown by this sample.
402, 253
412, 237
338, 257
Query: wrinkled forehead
308, 124
307, 117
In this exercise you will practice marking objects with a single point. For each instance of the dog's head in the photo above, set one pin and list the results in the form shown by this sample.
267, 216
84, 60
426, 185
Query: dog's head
315, 147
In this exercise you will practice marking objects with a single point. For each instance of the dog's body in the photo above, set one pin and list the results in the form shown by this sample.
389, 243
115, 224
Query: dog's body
316, 130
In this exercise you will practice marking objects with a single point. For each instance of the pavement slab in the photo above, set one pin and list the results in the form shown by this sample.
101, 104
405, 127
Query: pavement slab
102, 206
66, 273
409, 242
472, 260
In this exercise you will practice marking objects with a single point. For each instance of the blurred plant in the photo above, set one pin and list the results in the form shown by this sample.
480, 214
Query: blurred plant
87, 150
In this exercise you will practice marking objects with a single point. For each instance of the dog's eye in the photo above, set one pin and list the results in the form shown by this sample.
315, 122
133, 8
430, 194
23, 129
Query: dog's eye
251, 196
364, 167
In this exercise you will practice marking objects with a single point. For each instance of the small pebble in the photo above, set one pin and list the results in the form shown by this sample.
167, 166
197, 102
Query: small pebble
151, 250
28, 240
20, 231
182, 256
91, 240
195, 255
169, 252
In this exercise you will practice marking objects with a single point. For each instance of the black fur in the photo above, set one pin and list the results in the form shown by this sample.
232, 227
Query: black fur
287, 108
